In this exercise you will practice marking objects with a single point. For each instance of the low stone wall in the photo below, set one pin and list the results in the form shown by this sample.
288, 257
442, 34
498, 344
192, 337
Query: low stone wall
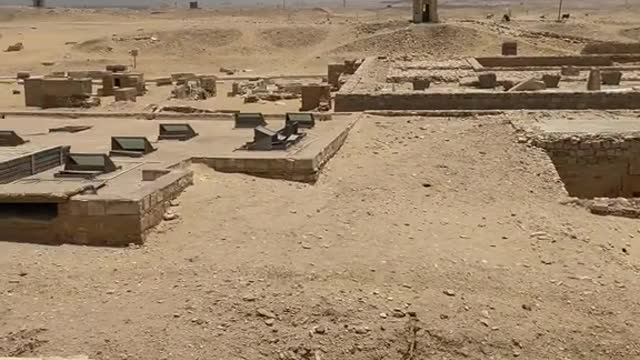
612, 48
596, 166
487, 100
102, 222
294, 169
519, 61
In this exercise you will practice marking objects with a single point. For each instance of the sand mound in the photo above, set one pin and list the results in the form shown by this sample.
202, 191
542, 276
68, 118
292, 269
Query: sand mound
436, 40
293, 37
375, 27
633, 33
166, 42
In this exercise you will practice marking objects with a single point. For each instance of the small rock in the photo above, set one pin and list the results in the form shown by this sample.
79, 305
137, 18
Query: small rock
444, 316
170, 216
306, 246
449, 292
398, 313
406, 286
14, 281
111, 292
485, 313
249, 298
269, 322
174, 203
16, 92
426, 185
484, 322
361, 330
320, 330
383, 315
265, 313
527, 307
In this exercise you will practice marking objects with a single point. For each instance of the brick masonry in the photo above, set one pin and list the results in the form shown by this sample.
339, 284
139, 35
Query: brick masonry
104, 222
355, 101
593, 166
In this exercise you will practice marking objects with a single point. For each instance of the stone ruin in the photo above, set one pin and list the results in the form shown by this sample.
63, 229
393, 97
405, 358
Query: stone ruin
59, 92
75, 88
193, 87
339, 73
489, 83
265, 89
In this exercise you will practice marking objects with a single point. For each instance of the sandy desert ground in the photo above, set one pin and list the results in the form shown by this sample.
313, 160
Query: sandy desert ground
425, 238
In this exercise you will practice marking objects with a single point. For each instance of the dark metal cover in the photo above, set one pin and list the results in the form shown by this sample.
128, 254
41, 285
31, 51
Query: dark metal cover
249, 120
89, 162
304, 120
131, 143
10, 138
180, 132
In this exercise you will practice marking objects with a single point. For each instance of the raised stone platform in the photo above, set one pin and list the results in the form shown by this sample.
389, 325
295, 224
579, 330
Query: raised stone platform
118, 208
383, 84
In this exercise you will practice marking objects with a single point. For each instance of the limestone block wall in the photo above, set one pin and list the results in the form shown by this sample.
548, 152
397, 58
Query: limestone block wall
359, 101
517, 61
612, 48
596, 166
102, 222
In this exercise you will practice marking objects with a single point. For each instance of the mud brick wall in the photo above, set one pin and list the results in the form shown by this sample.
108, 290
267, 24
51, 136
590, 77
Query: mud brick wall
104, 222
612, 48
518, 61
153, 206
345, 102
596, 166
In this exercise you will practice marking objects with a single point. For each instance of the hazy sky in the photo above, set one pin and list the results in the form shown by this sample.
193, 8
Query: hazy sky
213, 3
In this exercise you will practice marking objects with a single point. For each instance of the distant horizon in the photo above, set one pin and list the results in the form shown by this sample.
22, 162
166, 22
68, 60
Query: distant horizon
290, 3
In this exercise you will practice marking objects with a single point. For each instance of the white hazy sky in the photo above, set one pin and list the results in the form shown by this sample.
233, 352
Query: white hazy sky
307, 3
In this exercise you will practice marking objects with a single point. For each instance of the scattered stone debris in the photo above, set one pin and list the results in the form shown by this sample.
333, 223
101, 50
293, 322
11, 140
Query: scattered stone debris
265, 313
182, 109
449, 292
15, 47
530, 84
170, 216
200, 88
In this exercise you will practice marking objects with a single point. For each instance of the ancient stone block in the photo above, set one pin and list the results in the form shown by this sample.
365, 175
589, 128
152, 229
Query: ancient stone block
510, 48
209, 85
313, 95
122, 208
551, 81
107, 85
487, 80
570, 71
611, 77
595, 80
33, 91
334, 72
21, 75
421, 84
117, 68
164, 82
529, 85
126, 94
